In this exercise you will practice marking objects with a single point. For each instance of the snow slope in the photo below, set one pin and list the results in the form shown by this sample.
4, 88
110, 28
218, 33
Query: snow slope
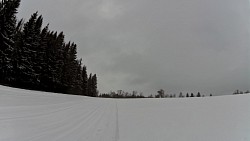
39, 116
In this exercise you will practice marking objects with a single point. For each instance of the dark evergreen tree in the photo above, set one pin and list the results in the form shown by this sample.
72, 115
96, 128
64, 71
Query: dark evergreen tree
28, 53
72, 67
90, 90
187, 95
94, 86
161, 93
43, 59
192, 95
17, 51
84, 80
8, 10
54, 61
39, 55
58, 61
66, 72
78, 80
198, 95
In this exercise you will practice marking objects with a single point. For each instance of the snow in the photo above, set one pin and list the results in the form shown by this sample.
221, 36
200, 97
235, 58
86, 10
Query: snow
39, 116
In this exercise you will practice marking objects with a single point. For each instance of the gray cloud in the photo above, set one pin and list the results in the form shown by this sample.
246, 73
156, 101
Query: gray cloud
146, 45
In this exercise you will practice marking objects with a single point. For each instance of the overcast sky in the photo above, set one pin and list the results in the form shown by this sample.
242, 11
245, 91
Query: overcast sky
146, 45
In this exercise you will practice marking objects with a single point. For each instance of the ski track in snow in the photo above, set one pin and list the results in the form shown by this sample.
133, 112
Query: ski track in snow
35, 116
39, 116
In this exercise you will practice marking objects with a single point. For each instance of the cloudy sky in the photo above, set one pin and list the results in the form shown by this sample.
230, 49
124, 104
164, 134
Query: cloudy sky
146, 45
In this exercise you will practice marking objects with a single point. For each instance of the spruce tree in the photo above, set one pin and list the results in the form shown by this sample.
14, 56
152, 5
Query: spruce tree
38, 58
192, 95
90, 90
72, 66
17, 51
78, 80
84, 80
42, 59
8, 10
198, 95
94, 86
28, 52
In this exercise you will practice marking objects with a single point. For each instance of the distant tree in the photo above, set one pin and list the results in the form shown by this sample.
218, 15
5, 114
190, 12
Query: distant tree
247, 91
150, 96
180, 95
198, 95
236, 92
141, 95
161, 93
192, 95
211, 95
187, 95
134, 93
157, 96
120, 92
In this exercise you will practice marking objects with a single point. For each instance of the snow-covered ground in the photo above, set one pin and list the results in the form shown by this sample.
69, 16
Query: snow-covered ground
39, 116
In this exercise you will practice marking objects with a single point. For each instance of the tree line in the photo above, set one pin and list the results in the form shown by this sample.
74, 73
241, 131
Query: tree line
34, 57
241, 92
160, 94
122, 94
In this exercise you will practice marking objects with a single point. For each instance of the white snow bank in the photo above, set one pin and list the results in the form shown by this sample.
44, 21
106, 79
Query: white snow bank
39, 116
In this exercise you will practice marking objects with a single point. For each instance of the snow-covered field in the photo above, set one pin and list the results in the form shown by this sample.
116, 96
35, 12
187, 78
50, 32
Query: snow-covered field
39, 116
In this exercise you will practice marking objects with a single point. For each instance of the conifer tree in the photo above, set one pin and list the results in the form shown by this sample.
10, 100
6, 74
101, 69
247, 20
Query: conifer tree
72, 66
78, 80
198, 95
90, 90
42, 58
192, 95
17, 51
94, 86
28, 53
39, 56
84, 80
54, 60
65, 71
8, 10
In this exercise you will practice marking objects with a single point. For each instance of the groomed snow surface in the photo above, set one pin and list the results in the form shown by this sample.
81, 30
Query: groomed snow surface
39, 116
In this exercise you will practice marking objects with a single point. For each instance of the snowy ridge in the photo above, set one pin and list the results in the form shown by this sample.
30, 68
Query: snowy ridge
40, 116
